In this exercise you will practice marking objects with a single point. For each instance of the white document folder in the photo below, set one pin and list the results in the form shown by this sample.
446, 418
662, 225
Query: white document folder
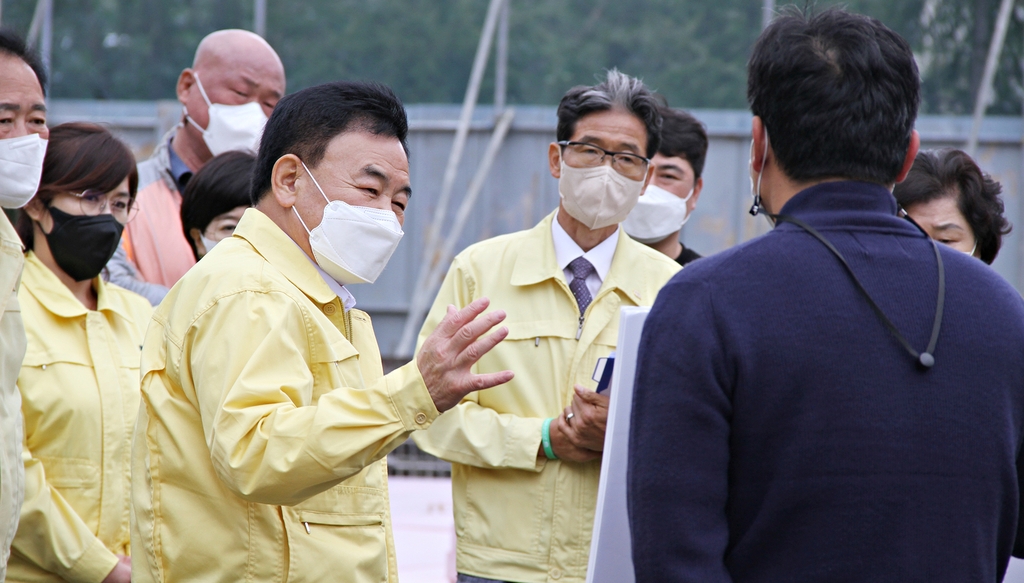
611, 551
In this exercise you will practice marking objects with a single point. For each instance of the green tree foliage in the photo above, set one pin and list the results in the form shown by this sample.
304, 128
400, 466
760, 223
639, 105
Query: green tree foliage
692, 51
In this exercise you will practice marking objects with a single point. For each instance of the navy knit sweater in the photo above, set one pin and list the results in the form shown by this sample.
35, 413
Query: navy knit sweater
781, 433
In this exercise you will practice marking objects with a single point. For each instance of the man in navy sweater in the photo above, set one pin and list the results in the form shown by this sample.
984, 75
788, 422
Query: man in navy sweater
837, 400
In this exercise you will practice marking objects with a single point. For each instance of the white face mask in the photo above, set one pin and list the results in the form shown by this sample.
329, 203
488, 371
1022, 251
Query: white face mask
231, 127
207, 243
21, 167
598, 197
973, 249
352, 243
657, 214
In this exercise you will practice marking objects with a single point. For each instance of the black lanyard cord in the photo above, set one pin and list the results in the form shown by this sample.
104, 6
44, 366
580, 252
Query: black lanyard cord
926, 358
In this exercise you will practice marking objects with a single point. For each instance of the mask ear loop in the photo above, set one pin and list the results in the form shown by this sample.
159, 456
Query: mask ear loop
757, 207
202, 91
688, 211
184, 108
315, 183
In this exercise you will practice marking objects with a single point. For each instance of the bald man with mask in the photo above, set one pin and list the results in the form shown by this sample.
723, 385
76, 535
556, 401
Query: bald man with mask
235, 81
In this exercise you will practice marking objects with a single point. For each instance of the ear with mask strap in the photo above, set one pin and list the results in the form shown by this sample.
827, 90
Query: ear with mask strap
757, 207
924, 359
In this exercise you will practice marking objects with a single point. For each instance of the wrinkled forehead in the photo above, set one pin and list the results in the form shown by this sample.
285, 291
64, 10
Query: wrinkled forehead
254, 63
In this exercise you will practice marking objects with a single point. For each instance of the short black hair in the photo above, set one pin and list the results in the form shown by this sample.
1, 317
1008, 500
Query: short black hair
222, 184
684, 136
617, 90
838, 94
941, 173
305, 122
14, 45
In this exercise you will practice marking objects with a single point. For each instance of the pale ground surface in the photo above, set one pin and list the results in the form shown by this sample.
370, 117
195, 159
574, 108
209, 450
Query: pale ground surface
421, 515
1015, 574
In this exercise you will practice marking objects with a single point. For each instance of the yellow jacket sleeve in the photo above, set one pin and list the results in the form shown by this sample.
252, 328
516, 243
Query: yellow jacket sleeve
469, 433
272, 440
53, 536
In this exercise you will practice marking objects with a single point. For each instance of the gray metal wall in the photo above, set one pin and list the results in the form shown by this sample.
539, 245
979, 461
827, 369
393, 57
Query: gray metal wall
520, 191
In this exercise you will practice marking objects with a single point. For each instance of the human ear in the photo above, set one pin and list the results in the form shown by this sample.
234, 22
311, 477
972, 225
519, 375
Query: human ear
284, 180
197, 239
36, 210
759, 156
555, 160
186, 81
908, 162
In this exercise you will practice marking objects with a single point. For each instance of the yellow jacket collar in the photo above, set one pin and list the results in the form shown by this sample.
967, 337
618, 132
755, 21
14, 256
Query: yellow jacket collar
536, 262
284, 254
58, 299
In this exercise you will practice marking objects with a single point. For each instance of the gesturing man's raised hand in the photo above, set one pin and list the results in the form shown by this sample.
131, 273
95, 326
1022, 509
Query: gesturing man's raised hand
458, 342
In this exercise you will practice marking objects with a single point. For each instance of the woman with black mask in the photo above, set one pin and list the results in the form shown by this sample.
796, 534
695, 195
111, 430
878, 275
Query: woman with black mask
80, 378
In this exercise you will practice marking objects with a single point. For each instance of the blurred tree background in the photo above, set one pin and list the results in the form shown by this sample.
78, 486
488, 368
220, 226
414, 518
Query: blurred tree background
692, 51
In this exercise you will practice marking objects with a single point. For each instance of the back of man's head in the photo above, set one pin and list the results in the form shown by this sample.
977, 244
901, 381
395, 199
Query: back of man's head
618, 90
838, 94
305, 122
683, 136
12, 45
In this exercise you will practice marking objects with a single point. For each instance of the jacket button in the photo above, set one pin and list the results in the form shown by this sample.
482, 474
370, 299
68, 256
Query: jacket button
421, 418
329, 309
556, 573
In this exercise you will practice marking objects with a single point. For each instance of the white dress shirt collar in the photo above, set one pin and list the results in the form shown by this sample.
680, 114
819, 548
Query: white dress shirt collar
600, 256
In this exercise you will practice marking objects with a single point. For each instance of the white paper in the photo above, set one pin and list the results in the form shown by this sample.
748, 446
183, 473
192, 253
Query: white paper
611, 552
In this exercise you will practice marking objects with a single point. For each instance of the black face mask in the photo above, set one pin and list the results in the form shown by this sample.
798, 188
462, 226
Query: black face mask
81, 245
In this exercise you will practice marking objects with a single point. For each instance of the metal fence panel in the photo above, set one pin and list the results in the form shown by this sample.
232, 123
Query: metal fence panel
520, 190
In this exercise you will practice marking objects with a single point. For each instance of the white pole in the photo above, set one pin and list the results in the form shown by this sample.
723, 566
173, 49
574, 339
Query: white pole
476, 186
46, 44
991, 63
422, 297
38, 15
432, 234
259, 11
767, 13
501, 61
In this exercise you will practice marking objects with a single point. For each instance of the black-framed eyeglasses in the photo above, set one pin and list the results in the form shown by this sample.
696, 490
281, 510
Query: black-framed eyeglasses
583, 155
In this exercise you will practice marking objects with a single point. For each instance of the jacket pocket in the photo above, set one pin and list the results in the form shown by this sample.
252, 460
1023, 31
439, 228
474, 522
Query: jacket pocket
332, 368
327, 546
66, 473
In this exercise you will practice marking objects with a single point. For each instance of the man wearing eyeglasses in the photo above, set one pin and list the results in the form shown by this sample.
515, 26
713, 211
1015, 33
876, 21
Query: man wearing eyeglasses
526, 456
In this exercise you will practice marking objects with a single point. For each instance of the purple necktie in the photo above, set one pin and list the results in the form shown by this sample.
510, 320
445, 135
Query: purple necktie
581, 268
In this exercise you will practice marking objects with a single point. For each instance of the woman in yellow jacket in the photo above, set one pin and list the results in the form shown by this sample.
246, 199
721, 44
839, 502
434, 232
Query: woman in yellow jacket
80, 378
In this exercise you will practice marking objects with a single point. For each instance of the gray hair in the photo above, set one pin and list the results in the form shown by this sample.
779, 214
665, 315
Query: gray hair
618, 90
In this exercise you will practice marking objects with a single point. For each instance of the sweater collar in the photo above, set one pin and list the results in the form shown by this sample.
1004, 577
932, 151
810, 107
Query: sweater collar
846, 195
847, 204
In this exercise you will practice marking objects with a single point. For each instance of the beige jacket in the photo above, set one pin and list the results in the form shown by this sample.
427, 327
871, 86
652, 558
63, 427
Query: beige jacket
520, 518
259, 449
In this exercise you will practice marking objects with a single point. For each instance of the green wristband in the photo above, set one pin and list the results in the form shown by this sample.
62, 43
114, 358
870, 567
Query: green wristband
545, 439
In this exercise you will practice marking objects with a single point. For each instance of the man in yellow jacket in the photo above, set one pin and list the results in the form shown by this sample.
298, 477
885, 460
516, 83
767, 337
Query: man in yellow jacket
23, 136
526, 456
266, 416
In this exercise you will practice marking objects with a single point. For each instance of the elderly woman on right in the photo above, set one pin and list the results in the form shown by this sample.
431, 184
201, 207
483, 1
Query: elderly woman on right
948, 195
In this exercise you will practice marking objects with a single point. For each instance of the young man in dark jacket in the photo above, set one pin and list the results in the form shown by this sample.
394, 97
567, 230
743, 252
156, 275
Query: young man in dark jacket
840, 399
